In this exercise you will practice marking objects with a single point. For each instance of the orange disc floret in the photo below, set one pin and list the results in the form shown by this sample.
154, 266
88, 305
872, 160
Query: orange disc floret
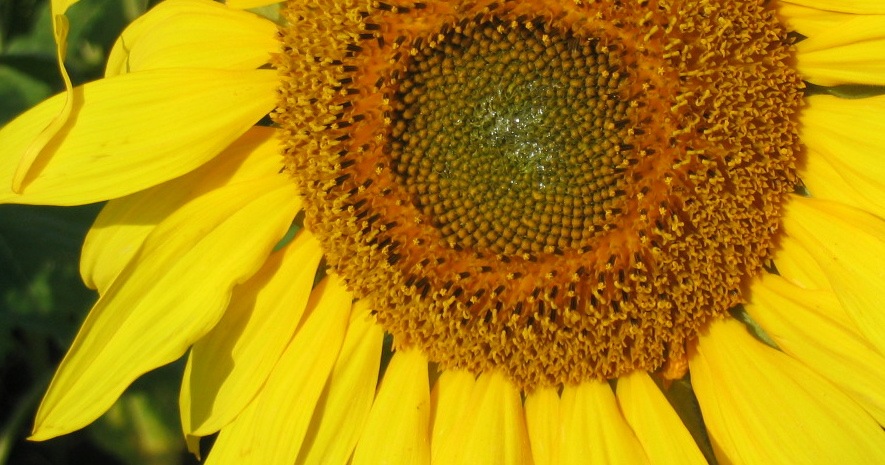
558, 190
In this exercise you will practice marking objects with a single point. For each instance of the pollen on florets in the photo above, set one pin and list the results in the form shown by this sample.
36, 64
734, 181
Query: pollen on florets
558, 190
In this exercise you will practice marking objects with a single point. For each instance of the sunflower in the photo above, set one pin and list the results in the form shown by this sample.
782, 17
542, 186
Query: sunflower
481, 231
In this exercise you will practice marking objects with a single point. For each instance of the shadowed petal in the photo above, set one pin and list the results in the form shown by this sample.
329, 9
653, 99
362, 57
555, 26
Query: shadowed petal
168, 297
227, 367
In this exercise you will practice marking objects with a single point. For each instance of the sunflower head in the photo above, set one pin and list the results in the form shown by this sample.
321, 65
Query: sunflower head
559, 190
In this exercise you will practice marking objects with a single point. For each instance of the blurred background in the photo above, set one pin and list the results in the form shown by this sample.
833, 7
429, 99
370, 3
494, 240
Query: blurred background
42, 300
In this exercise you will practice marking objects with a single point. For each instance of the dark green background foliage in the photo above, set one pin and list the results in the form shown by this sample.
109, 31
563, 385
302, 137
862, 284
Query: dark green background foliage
42, 300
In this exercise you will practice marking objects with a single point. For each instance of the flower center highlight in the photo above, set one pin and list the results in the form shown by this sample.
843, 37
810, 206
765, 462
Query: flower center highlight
489, 142
558, 190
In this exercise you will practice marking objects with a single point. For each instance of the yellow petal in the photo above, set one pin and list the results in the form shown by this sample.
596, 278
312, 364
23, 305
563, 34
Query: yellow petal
244, 4
271, 432
131, 132
798, 265
123, 223
344, 407
870, 7
849, 245
542, 416
810, 21
761, 406
850, 134
491, 429
594, 430
448, 401
167, 298
398, 429
801, 323
648, 413
58, 116
193, 34
228, 366
828, 178
851, 53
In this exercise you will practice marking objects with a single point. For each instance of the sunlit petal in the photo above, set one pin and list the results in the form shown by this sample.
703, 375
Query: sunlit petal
228, 365
131, 132
801, 323
848, 244
271, 431
593, 428
138, 325
543, 416
344, 406
762, 406
649, 415
193, 34
124, 223
490, 428
398, 429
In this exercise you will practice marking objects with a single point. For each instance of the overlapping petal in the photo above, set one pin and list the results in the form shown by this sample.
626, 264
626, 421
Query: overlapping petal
490, 427
810, 21
762, 406
801, 322
271, 430
124, 223
449, 398
169, 296
132, 132
852, 53
869, 7
829, 178
849, 245
342, 410
398, 428
850, 134
543, 416
227, 367
593, 428
193, 34
662, 434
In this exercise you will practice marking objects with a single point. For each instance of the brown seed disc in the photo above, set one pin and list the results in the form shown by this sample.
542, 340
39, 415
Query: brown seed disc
559, 190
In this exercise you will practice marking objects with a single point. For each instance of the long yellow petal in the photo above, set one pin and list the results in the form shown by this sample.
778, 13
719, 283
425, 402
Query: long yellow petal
762, 406
594, 430
850, 134
649, 414
810, 21
829, 178
227, 367
167, 298
249, 3
849, 54
849, 245
124, 223
491, 429
869, 7
448, 402
193, 34
798, 265
398, 429
542, 416
272, 431
344, 407
131, 132
801, 323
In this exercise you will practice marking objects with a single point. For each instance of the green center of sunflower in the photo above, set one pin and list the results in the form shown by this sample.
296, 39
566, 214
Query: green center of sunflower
489, 143
558, 190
